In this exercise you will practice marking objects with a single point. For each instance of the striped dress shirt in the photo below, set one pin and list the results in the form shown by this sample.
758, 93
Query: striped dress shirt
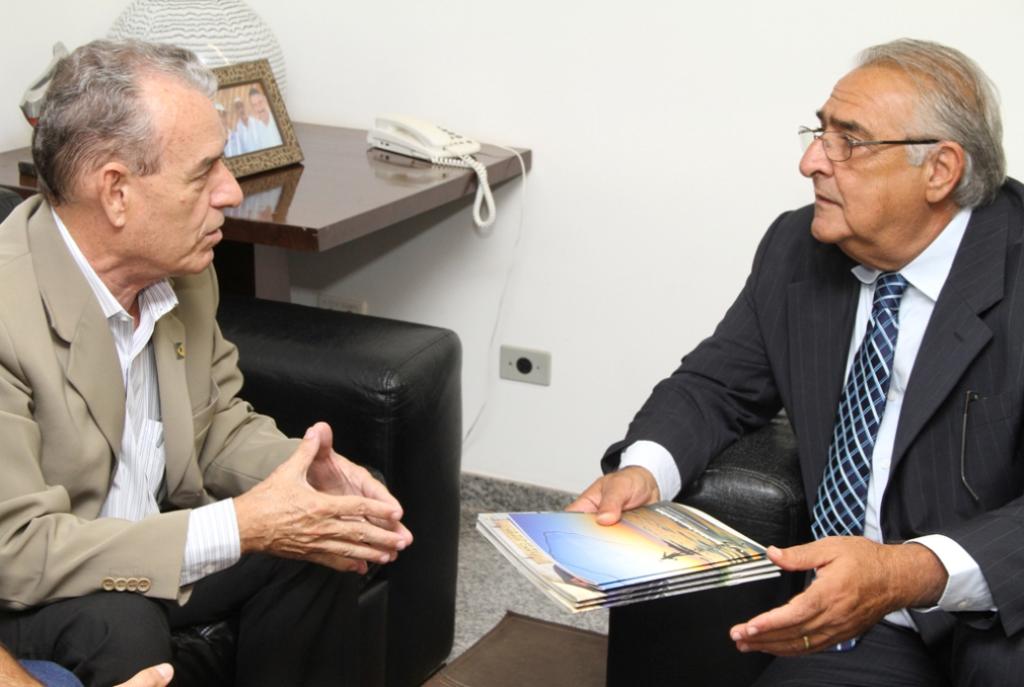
212, 542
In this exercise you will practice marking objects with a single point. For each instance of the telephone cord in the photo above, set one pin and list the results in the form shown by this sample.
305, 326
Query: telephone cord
483, 189
500, 309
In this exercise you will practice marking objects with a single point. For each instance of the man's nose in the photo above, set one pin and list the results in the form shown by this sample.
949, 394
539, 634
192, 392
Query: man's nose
814, 160
227, 192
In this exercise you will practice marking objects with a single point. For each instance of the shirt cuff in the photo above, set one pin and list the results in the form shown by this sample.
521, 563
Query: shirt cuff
212, 543
658, 461
966, 588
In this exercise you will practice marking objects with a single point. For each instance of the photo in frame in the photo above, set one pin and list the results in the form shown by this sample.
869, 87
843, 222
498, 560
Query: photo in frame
260, 134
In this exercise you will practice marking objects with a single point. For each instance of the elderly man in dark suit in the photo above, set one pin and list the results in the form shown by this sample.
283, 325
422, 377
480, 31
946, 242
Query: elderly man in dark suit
887, 320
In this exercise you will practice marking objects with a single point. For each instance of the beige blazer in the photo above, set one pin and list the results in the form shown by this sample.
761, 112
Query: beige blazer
62, 415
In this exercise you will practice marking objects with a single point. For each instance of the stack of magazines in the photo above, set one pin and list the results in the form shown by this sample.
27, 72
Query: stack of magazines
659, 550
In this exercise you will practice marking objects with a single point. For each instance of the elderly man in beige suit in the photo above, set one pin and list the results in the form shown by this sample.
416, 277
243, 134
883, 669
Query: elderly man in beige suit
139, 492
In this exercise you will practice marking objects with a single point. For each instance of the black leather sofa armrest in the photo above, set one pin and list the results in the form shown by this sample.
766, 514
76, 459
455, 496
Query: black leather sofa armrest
391, 391
755, 487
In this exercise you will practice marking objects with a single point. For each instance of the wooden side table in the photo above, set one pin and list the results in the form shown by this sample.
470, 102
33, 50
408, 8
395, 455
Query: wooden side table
342, 190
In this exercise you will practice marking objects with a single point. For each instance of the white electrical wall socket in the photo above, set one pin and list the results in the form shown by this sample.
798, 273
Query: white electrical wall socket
525, 365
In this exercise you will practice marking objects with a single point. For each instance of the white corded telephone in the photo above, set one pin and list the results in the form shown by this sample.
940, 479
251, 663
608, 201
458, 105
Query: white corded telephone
416, 138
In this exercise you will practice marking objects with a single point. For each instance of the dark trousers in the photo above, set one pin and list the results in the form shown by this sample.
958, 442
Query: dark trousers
890, 656
290, 619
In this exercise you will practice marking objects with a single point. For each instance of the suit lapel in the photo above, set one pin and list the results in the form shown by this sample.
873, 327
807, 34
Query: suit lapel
89, 356
175, 403
821, 314
956, 332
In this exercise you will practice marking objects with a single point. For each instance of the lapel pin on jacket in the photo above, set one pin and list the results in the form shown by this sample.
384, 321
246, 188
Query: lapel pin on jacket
179, 350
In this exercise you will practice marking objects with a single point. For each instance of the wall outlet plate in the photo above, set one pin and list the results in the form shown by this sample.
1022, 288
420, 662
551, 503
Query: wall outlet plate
525, 365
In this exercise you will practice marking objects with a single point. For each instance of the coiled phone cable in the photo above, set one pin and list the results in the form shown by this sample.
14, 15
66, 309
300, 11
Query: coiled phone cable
483, 189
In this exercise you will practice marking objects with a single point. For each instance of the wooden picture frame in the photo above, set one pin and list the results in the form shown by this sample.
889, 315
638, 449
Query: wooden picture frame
260, 134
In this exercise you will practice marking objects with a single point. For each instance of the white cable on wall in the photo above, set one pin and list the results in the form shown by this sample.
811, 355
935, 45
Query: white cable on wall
483, 189
491, 356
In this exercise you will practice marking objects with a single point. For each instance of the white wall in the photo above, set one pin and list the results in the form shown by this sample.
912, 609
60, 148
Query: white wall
664, 143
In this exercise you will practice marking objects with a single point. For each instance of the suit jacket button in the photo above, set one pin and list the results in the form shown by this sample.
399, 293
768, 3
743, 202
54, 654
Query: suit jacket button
107, 584
144, 584
133, 584
120, 584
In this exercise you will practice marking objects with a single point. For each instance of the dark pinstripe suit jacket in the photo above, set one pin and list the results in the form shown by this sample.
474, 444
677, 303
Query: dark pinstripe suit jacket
784, 342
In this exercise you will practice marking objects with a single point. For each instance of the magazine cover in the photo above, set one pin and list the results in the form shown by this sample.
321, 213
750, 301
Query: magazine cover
659, 550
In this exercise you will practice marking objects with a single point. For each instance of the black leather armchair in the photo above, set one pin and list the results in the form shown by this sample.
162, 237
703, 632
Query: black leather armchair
392, 393
754, 486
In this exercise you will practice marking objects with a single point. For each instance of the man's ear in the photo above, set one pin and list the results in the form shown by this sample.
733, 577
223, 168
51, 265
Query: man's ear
113, 183
944, 167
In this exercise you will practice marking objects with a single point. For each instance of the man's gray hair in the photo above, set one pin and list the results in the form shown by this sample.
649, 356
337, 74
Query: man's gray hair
94, 111
957, 103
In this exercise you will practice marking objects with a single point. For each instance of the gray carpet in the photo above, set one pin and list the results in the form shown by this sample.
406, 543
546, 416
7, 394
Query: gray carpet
488, 585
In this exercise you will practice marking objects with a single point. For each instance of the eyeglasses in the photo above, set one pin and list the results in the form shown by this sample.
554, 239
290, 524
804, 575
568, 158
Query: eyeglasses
839, 146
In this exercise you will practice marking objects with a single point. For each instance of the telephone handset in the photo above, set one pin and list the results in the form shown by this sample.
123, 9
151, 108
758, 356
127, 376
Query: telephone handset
419, 139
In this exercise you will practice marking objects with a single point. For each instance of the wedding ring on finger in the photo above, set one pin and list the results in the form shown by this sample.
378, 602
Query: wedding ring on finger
807, 643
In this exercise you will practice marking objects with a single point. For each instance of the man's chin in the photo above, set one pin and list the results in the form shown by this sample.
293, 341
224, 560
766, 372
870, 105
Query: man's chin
195, 263
827, 231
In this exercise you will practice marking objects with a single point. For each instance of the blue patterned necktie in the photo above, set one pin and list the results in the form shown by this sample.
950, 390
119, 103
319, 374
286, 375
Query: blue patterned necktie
842, 495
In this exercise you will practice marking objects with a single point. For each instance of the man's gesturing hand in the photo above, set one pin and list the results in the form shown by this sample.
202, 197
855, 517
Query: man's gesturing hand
349, 520
335, 474
617, 491
856, 584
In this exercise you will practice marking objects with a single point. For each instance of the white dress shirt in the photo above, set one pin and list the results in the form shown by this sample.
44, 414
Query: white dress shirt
212, 542
966, 589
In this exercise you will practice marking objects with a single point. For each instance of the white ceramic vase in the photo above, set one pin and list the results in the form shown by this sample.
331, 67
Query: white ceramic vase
220, 32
